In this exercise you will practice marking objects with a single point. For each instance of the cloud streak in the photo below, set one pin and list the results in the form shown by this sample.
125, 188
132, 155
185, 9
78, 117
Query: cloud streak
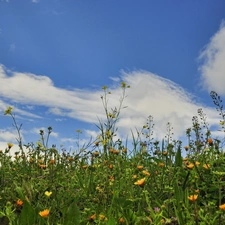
213, 66
150, 94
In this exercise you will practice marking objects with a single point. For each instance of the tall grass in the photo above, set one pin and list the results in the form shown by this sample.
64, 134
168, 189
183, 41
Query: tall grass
106, 183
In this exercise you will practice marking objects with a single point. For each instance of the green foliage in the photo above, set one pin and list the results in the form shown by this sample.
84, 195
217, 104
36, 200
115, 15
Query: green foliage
106, 183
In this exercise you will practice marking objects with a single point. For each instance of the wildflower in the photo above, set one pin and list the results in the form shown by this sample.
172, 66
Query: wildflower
104, 87
190, 166
116, 152
193, 198
121, 220
91, 218
222, 207
124, 150
85, 166
161, 164
186, 147
52, 161
96, 143
110, 166
42, 166
197, 163
206, 166
95, 153
123, 84
8, 110
48, 193
19, 202
210, 141
134, 176
197, 191
44, 213
111, 178
165, 153
140, 167
70, 159
102, 217
10, 145
222, 122
140, 182
146, 173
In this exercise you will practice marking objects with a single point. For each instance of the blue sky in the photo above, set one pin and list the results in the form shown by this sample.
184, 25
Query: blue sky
56, 55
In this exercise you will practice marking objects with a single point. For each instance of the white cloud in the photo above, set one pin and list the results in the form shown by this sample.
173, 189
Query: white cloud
35, 1
213, 67
150, 94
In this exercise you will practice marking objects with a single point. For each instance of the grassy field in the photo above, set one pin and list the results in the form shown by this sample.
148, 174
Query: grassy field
107, 183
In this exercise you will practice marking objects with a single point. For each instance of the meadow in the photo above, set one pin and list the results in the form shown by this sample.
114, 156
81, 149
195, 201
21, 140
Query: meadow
106, 183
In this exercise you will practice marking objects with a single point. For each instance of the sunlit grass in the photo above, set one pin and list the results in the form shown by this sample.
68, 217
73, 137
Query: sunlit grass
106, 183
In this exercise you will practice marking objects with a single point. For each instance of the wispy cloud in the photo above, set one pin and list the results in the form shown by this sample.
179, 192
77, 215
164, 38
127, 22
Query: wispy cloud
150, 94
213, 66
35, 1
12, 47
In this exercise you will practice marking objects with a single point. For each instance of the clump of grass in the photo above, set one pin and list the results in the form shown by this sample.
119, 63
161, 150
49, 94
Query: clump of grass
106, 183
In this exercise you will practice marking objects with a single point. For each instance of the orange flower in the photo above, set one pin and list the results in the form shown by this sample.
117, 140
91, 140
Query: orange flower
52, 161
165, 153
44, 213
95, 154
111, 178
193, 198
222, 207
206, 166
85, 166
19, 202
42, 166
210, 141
134, 176
91, 219
140, 182
197, 163
190, 166
161, 164
110, 166
140, 167
146, 173
116, 152
186, 147
124, 150
121, 220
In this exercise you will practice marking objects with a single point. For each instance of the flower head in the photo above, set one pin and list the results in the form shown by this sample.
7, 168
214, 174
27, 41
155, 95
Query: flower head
44, 213
190, 166
206, 166
19, 202
193, 198
8, 110
48, 193
222, 207
10, 145
140, 182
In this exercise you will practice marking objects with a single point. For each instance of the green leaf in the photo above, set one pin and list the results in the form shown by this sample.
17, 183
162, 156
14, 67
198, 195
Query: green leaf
27, 215
72, 216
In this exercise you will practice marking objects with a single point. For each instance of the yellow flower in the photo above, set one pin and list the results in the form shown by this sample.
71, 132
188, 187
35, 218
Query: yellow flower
222, 207
193, 198
197, 163
123, 84
44, 213
104, 87
210, 141
10, 145
19, 202
134, 176
206, 166
48, 193
190, 166
222, 122
165, 153
8, 111
140, 182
